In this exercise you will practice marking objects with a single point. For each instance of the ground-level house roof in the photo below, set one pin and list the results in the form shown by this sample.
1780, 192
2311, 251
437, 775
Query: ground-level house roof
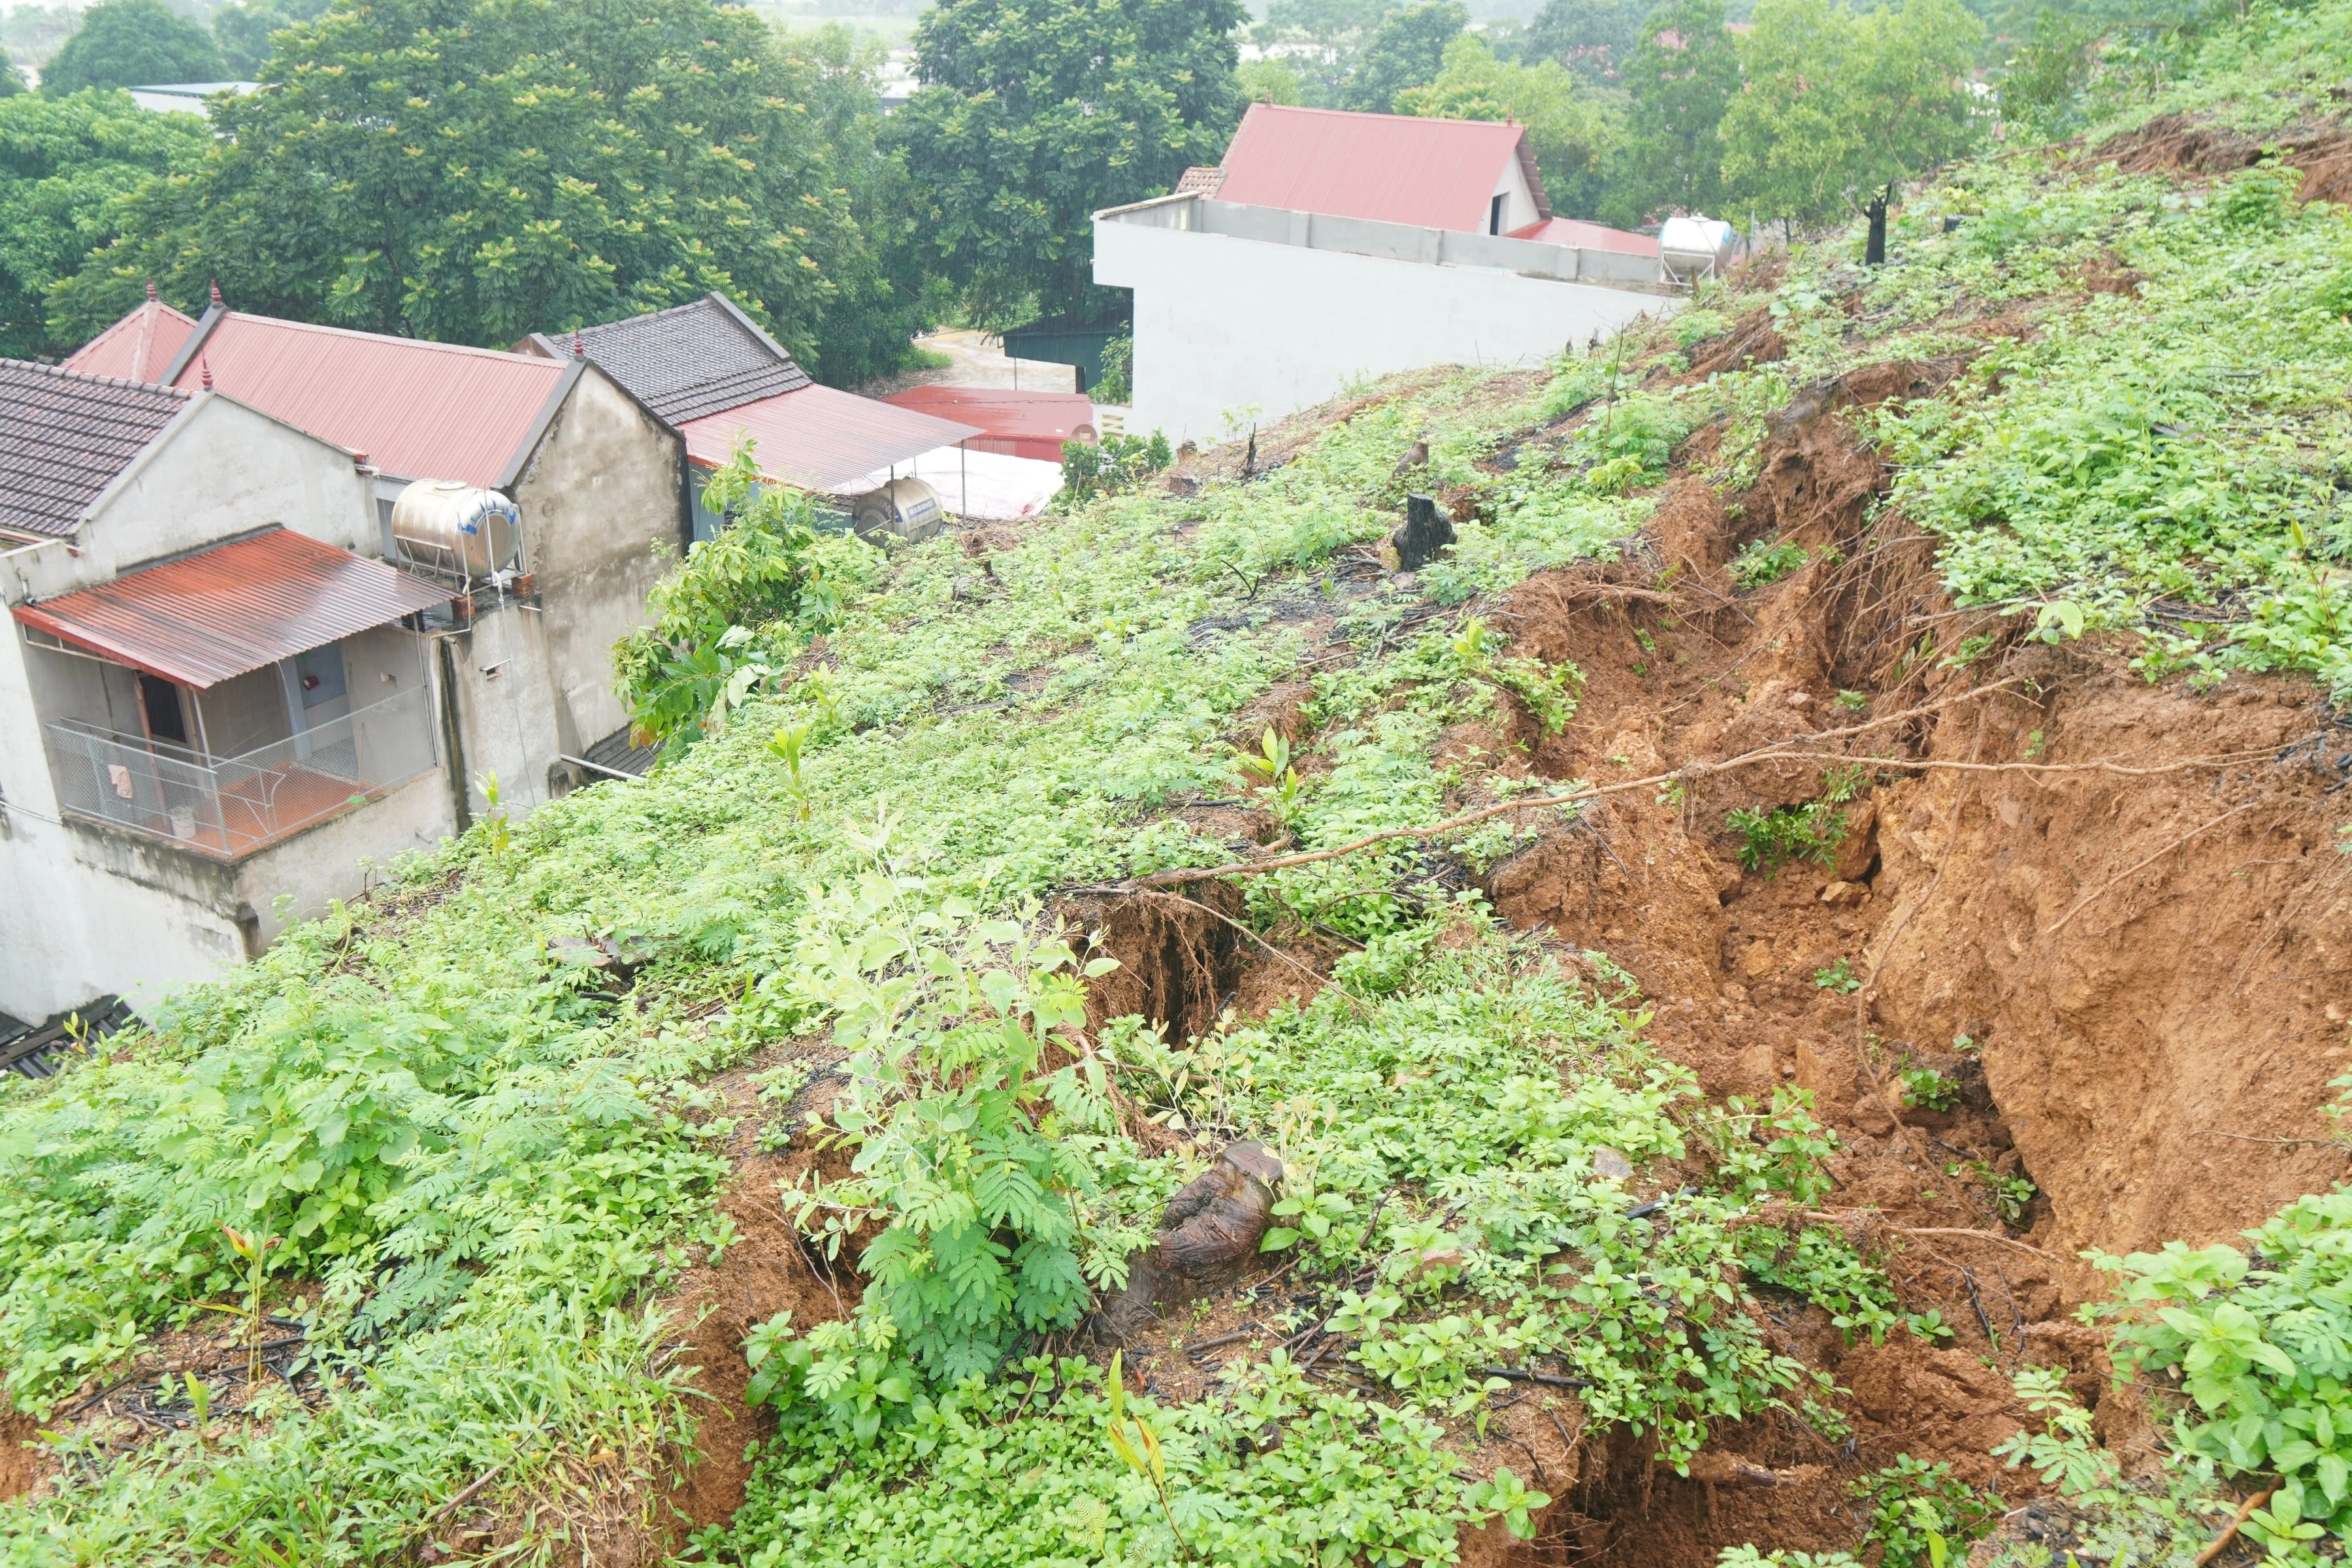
63, 438
214, 614
415, 409
691, 360
139, 346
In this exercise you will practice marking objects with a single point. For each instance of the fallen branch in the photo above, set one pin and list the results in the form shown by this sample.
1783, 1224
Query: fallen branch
1833, 1216
1522, 1374
2082, 902
2229, 1531
2262, 1137
1780, 751
463, 1498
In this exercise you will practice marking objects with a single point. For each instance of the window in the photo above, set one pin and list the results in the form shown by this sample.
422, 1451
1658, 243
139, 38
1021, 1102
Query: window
165, 721
1495, 215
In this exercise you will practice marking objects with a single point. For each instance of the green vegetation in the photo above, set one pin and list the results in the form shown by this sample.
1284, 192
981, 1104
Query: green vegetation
1092, 468
1037, 114
470, 1168
1771, 840
1927, 1089
1837, 106
1767, 561
65, 164
1920, 1516
2259, 1346
578, 182
131, 43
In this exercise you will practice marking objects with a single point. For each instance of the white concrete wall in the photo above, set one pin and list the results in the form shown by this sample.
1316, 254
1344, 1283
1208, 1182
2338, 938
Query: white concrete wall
88, 908
1519, 197
221, 470
1224, 323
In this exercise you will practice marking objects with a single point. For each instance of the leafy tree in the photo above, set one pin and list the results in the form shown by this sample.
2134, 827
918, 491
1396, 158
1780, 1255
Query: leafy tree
131, 43
245, 30
2041, 82
1335, 31
1271, 80
1035, 114
1838, 106
883, 296
1594, 38
65, 164
588, 158
1681, 76
1571, 133
1407, 49
12, 81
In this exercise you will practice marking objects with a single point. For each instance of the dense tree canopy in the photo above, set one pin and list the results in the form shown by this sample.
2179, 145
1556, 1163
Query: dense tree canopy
1407, 49
12, 81
471, 170
245, 31
132, 43
65, 164
1593, 39
1679, 79
1836, 104
1035, 114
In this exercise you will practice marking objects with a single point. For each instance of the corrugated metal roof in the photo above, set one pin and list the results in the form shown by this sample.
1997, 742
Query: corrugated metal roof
207, 617
1019, 424
818, 437
419, 410
63, 437
1588, 236
137, 348
1389, 168
687, 361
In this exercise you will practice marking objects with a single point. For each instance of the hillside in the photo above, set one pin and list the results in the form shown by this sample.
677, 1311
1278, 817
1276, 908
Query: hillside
1848, 828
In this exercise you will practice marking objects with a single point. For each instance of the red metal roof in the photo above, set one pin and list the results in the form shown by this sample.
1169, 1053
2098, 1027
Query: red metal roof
1018, 423
819, 437
206, 617
1588, 236
1389, 168
419, 410
137, 348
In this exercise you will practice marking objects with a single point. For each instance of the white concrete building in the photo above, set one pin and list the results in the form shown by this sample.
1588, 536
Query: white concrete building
209, 698
1330, 247
223, 681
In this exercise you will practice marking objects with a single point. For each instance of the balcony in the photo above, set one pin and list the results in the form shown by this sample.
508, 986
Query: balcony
229, 808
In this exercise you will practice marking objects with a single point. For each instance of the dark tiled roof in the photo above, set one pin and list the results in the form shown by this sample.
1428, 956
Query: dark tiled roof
688, 361
616, 753
64, 437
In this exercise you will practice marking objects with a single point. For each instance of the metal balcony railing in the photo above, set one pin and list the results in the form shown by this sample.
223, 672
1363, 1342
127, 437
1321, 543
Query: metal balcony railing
232, 807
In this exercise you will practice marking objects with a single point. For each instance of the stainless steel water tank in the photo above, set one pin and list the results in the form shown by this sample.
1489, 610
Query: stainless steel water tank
456, 527
908, 509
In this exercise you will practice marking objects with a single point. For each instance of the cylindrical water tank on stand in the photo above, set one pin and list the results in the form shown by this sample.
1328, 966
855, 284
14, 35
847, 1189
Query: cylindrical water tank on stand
457, 528
908, 509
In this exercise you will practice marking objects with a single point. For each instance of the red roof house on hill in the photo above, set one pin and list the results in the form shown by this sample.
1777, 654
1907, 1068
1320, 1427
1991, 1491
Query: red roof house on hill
595, 478
1474, 176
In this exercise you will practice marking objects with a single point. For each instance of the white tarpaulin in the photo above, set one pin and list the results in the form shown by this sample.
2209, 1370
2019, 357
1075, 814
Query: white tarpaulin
985, 485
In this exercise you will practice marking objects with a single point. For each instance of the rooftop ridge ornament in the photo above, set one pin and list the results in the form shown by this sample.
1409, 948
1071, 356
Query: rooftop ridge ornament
216, 297
204, 368
578, 345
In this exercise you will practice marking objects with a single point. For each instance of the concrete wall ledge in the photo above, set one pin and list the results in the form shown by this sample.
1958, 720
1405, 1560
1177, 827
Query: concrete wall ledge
1194, 214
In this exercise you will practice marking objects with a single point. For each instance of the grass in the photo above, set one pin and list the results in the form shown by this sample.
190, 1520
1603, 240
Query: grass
476, 1170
